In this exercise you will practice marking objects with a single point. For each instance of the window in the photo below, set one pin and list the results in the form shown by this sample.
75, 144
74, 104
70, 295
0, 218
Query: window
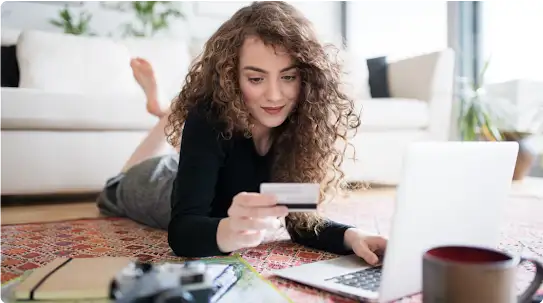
396, 29
511, 38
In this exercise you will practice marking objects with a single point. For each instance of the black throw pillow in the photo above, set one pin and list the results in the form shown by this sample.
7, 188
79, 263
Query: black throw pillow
378, 77
10, 66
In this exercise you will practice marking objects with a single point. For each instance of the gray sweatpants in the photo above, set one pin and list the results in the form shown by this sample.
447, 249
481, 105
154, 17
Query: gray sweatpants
142, 193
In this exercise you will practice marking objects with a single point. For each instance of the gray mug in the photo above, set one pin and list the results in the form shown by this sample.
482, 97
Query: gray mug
463, 274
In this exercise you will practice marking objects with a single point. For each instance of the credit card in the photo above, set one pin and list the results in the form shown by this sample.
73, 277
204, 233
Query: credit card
297, 197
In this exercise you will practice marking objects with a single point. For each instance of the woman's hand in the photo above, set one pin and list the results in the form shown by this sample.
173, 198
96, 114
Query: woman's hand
368, 247
249, 216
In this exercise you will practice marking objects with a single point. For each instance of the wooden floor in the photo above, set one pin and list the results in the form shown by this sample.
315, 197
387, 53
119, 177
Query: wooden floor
49, 212
68, 210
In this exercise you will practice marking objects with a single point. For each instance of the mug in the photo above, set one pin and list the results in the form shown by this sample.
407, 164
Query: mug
464, 274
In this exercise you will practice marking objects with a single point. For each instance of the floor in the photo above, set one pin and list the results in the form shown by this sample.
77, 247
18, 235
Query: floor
52, 211
49, 212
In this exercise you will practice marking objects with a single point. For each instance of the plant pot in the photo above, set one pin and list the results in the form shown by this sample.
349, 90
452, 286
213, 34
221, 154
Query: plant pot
525, 158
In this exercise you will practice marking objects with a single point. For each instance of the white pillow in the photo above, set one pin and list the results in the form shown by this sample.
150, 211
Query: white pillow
10, 36
76, 64
356, 75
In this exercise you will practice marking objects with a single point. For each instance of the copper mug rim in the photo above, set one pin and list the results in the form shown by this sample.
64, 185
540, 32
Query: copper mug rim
492, 258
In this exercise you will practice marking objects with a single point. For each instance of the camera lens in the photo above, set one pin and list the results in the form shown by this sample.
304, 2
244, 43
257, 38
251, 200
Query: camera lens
144, 267
176, 295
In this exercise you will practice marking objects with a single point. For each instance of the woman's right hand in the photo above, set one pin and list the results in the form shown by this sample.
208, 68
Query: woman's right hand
249, 216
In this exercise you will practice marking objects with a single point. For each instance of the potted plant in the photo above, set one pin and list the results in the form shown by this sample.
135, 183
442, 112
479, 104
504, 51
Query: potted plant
523, 133
477, 119
71, 25
492, 119
152, 17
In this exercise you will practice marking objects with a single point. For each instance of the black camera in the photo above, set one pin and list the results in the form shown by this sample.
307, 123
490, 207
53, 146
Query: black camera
189, 282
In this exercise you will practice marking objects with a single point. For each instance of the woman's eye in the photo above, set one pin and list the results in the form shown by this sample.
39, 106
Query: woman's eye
289, 78
255, 80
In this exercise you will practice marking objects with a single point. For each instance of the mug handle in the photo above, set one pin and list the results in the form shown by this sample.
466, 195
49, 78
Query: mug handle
526, 296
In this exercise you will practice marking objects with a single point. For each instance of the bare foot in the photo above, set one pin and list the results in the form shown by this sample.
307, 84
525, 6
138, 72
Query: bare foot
145, 76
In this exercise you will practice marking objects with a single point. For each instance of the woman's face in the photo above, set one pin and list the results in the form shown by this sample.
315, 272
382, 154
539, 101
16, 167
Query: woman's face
269, 81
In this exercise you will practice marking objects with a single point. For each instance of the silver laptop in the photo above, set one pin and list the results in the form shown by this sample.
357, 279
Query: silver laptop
450, 193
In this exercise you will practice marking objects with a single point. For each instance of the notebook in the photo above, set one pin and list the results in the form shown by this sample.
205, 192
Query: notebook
71, 278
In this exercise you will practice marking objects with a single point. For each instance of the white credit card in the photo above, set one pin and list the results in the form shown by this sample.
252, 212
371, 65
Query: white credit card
298, 197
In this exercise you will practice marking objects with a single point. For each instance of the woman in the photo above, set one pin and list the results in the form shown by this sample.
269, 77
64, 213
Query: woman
263, 103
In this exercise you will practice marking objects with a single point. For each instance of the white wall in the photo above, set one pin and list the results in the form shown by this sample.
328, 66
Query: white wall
203, 18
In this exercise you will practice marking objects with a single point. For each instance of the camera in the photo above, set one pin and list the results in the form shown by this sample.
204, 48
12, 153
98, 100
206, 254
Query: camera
189, 282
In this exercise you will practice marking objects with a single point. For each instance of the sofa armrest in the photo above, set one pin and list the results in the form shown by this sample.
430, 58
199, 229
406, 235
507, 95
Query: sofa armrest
430, 78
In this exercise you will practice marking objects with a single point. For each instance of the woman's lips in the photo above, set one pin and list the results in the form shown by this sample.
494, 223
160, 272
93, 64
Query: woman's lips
273, 110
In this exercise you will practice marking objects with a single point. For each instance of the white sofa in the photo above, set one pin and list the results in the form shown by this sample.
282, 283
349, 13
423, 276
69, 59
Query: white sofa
419, 108
78, 114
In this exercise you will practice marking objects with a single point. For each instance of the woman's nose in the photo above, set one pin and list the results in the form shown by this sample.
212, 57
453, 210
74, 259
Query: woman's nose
274, 92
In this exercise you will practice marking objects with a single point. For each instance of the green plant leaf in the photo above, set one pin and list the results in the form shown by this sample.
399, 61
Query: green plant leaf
469, 129
481, 76
150, 7
150, 19
72, 26
138, 5
65, 15
56, 23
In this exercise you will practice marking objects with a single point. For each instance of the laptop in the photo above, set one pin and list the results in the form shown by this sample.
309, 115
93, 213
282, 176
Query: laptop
451, 193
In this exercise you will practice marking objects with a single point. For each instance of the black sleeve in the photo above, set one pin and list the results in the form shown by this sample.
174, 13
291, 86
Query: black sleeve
191, 231
330, 238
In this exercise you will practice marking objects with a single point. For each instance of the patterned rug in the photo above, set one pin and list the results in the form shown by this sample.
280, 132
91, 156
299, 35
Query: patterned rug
29, 246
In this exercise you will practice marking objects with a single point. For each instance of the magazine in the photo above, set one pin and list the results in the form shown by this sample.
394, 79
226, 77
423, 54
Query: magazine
251, 286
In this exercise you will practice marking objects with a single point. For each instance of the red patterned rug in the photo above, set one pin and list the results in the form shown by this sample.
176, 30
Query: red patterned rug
29, 246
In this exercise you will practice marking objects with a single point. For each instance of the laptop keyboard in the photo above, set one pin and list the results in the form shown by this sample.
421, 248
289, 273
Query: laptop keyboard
368, 279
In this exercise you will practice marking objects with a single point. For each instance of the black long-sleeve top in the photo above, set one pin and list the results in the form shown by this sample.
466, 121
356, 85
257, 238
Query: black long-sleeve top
212, 170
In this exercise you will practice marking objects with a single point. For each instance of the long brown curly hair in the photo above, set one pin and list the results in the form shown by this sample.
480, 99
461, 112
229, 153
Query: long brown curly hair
306, 146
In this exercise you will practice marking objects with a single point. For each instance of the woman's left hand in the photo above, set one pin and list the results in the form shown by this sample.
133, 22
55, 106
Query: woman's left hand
368, 247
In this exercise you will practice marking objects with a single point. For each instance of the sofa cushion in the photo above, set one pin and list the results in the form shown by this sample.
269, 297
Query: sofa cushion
77, 64
34, 109
378, 77
10, 67
393, 114
355, 75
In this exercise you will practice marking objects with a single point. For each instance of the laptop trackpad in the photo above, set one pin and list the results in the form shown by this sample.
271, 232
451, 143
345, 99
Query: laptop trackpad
322, 270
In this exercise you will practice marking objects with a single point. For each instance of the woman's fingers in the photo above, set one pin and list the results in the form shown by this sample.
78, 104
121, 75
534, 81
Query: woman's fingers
257, 212
255, 224
250, 215
256, 205
254, 200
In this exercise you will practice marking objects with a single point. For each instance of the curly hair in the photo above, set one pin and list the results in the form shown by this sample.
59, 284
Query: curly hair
306, 145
